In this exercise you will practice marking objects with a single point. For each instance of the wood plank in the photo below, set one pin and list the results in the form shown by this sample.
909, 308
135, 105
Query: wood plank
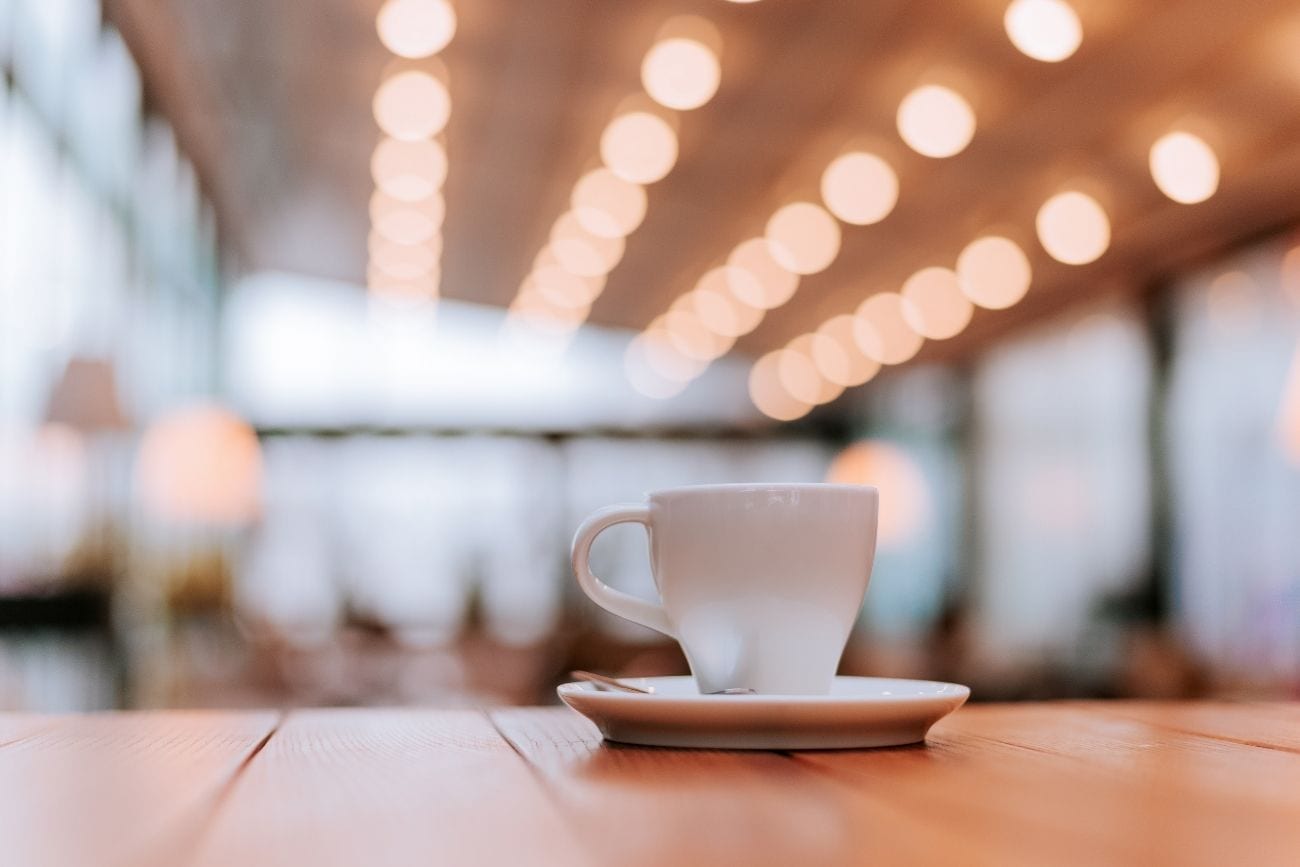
1071, 784
643, 805
1271, 725
117, 789
390, 787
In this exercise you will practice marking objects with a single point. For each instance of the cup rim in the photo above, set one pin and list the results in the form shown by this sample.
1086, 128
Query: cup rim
739, 487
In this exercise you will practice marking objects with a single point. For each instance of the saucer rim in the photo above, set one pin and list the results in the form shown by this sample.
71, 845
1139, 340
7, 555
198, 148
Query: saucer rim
947, 691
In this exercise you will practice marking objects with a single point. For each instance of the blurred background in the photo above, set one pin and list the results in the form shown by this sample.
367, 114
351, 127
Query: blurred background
322, 324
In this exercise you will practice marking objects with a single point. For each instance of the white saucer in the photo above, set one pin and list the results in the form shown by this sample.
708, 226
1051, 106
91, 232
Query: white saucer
858, 712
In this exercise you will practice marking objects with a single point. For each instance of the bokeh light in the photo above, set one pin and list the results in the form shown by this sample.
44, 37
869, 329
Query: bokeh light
644, 378
201, 464
769, 395
402, 261
580, 252
409, 170
994, 272
563, 288
690, 336
608, 205
859, 188
882, 332
1073, 228
681, 71
719, 309
412, 105
382, 206
639, 147
904, 493
1047, 30
936, 121
836, 353
800, 375
416, 28
1184, 167
756, 278
933, 304
803, 238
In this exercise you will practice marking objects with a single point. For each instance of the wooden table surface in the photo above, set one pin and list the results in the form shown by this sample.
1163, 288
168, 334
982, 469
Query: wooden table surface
1047, 784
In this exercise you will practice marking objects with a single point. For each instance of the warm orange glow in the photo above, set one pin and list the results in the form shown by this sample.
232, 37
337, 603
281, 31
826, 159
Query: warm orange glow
681, 70
1291, 275
411, 171
756, 278
904, 493
580, 252
1184, 167
383, 206
543, 316
1073, 228
412, 105
994, 272
803, 238
562, 287
882, 332
933, 304
1047, 30
607, 205
690, 336
719, 309
200, 464
662, 353
859, 188
639, 147
406, 226
643, 376
403, 261
1289, 418
837, 356
801, 377
769, 395
936, 121
416, 28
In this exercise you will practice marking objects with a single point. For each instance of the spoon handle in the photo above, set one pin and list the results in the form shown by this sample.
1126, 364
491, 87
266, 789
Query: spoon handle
610, 682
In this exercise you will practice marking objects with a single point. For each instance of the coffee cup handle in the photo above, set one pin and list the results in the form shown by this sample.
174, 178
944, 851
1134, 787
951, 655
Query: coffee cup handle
625, 605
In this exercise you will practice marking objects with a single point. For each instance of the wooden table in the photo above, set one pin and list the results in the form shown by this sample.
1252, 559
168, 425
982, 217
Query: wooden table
1048, 784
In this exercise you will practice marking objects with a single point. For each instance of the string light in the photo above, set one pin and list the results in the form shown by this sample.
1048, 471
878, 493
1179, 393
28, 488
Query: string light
933, 304
936, 121
994, 272
1073, 228
416, 28
1047, 30
1184, 167
859, 188
681, 70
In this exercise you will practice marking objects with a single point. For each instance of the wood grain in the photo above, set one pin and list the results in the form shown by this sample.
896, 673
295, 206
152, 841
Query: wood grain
397, 787
1082, 783
642, 805
117, 789
1075, 784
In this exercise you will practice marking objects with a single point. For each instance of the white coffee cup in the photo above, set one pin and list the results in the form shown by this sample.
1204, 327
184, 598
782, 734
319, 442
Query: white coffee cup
760, 583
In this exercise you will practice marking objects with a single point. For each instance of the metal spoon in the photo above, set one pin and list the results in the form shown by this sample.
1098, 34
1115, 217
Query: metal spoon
601, 680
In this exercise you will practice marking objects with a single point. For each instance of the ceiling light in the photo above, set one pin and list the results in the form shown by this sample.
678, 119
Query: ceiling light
756, 278
639, 146
933, 304
580, 252
1073, 228
769, 395
859, 188
803, 238
881, 331
994, 272
412, 105
835, 352
607, 205
409, 170
681, 70
935, 121
416, 28
1047, 30
1184, 167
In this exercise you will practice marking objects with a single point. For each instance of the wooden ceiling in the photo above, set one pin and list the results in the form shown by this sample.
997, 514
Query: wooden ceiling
274, 100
